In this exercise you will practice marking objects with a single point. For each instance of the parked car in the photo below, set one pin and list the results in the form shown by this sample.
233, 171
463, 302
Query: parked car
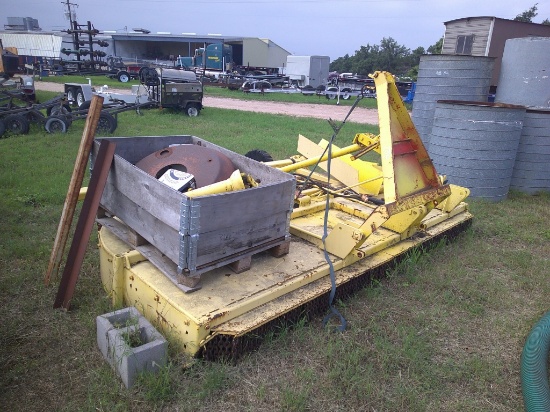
255, 86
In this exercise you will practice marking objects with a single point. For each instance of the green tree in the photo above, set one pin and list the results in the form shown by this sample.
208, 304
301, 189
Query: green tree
365, 59
393, 57
528, 15
388, 56
414, 61
341, 64
437, 47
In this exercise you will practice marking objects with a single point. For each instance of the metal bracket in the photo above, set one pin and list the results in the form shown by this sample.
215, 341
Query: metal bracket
188, 235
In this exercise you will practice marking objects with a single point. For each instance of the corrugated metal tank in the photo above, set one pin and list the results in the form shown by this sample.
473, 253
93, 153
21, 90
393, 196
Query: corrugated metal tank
448, 77
525, 72
475, 144
532, 166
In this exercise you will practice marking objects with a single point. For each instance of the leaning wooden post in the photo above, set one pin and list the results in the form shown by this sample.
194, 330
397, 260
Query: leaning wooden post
74, 188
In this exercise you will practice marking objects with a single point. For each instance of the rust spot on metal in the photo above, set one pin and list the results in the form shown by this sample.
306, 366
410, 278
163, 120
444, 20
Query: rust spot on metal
163, 321
161, 318
217, 316
308, 275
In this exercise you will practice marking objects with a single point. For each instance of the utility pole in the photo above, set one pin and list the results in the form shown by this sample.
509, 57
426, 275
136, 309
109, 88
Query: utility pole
70, 14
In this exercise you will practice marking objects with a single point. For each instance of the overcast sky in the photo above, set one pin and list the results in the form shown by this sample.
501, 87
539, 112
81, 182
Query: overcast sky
303, 27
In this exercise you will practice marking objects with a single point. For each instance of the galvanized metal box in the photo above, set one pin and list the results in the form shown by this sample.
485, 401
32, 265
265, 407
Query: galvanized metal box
197, 234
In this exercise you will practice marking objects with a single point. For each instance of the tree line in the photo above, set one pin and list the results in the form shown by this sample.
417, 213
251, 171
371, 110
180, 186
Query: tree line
387, 56
398, 59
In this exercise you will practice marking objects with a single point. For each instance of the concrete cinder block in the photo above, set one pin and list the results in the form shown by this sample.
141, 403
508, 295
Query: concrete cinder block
130, 344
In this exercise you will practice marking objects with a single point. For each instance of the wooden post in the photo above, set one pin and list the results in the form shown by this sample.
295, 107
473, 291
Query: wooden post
74, 187
85, 224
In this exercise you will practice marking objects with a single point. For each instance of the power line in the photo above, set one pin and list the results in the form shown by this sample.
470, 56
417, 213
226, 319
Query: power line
259, 2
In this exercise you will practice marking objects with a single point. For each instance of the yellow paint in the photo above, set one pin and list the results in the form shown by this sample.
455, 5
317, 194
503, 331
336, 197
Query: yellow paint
360, 237
237, 304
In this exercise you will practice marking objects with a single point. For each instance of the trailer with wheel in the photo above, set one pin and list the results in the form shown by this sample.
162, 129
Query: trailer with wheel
124, 75
16, 115
60, 121
80, 94
173, 88
168, 88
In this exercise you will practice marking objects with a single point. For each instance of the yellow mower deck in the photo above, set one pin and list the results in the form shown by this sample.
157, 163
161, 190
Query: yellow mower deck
368, 230
230, 306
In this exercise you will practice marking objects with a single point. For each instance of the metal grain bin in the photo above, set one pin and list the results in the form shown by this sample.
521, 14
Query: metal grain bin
448, 77
532, 167
524, 75
475, 144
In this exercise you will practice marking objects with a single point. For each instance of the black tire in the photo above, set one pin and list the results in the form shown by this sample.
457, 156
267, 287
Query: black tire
140, 71
85, 105
345, 94
58, 109
16, 124
149, 76
2, 127
308, 90
71, 95
192, 110
259, 155
56, 124
106, 123
333, 91
123, 76
80, 99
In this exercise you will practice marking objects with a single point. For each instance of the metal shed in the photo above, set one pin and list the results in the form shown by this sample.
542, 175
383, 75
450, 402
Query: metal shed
486, 36
246, 50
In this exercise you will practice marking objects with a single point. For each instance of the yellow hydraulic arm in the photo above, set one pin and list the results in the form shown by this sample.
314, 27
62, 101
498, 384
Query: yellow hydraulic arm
411, 185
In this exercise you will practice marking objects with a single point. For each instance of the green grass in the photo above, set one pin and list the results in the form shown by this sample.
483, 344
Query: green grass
443, 331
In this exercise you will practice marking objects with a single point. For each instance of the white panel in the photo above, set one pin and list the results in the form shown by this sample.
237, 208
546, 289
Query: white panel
30, 44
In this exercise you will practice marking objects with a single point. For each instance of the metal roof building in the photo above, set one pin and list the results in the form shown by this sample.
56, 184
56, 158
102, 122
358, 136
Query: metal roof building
138, 46
247, 51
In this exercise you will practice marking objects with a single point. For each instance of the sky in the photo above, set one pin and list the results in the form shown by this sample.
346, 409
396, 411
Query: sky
331, 28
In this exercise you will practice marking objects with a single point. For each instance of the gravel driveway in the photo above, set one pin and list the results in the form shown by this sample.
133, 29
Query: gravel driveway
319, 111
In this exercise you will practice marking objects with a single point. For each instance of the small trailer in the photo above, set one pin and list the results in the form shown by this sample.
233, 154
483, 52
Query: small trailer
173, 88
80, 93
168, 88
124, 75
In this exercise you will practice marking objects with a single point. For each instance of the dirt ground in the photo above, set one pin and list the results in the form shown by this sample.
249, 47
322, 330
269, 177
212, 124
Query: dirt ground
320, 111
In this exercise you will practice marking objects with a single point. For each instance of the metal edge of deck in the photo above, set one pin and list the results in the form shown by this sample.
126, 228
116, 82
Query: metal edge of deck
133, 281
246, 333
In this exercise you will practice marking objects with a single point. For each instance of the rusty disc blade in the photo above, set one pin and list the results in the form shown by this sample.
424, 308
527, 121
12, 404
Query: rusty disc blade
207, 165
